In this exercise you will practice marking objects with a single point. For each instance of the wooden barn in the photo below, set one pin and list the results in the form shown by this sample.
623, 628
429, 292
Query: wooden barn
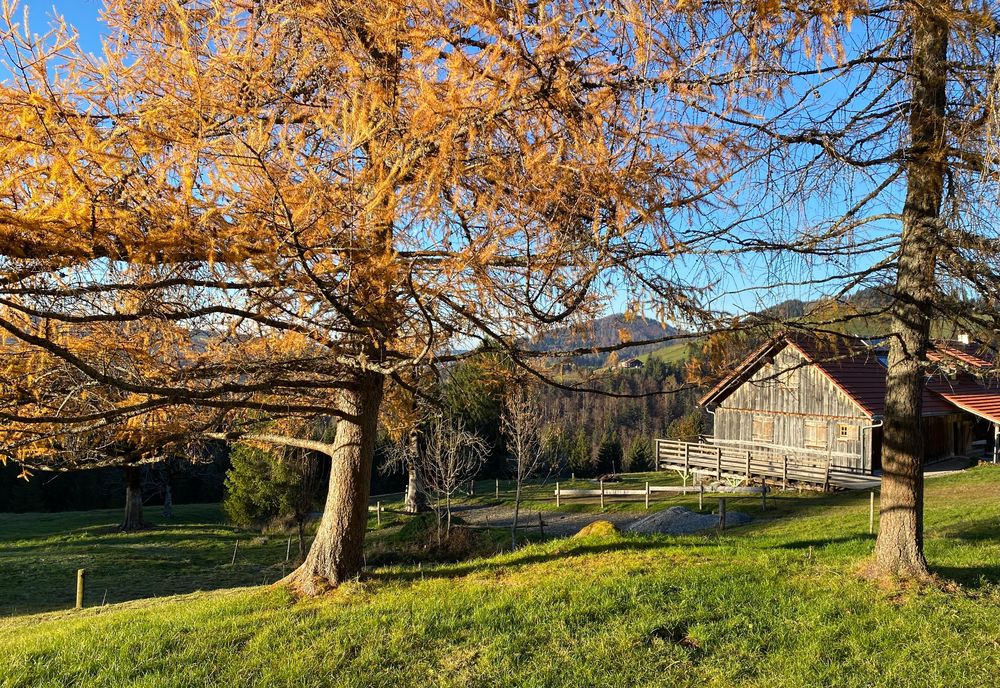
818, 405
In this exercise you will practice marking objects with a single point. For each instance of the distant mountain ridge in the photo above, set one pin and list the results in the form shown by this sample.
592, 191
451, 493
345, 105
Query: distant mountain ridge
606, 331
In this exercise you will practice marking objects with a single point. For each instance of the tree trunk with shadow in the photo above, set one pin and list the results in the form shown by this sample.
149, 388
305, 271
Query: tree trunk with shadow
899, 548
416, 500
132, 520
337, 553
168, 501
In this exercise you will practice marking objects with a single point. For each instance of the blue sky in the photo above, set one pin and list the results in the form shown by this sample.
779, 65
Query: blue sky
738, 286
83, 14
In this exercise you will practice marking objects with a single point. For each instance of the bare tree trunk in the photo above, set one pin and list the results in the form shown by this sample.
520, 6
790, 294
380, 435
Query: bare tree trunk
132, 520
337, 552
447, 501
416, 500
517, 511
899, 548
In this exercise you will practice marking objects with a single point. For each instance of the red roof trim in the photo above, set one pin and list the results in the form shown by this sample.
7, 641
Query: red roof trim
748, 363
852, 369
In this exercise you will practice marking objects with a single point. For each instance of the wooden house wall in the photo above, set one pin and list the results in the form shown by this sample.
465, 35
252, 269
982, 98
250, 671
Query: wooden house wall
947, 435
794, 392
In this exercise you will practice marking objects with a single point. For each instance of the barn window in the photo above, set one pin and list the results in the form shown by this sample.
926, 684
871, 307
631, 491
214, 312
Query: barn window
847, 432
763, 429
815, 436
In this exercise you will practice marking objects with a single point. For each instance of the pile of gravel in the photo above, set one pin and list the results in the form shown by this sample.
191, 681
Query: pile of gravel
679, 520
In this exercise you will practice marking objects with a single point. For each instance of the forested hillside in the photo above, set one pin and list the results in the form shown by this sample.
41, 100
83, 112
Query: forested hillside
610, 330
607, 429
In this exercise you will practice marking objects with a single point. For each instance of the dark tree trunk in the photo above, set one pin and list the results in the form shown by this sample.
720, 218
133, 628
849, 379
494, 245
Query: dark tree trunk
168, 501
416, 500
132, 520
336, 554
899, 548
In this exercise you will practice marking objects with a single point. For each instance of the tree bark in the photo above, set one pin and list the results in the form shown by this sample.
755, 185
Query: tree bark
416, 500
168, 501
899, 548
132, 520
337, 553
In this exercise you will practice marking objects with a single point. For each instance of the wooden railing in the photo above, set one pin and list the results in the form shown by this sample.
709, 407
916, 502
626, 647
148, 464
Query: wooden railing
724, 460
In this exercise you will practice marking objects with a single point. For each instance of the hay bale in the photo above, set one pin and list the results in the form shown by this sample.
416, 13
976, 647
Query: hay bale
599, 528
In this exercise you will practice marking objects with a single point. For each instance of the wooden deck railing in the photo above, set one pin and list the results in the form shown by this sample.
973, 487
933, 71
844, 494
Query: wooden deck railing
721, 461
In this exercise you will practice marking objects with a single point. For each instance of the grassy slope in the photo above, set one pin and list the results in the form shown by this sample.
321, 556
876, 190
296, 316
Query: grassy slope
774, 604
39, 555
677, 352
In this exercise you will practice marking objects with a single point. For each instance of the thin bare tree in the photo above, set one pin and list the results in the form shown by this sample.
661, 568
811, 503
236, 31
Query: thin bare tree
449, 456
521, 422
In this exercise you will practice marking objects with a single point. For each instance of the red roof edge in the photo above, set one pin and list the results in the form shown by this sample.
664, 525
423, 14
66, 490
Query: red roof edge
723, 387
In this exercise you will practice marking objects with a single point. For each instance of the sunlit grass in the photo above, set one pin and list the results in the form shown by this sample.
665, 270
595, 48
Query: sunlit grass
776, 603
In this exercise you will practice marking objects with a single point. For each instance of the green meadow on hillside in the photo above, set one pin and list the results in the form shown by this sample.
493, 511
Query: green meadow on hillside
775, 603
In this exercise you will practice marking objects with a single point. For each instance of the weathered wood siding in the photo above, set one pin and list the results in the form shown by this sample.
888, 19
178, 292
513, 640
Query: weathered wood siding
794, 393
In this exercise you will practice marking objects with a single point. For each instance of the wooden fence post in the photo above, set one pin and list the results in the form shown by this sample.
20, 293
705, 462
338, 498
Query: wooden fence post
826, 479
701, 497
472, 488
80, 575
647, 494
557, 494
871, 513
235, 549
288, 550
687, 460
784, 472
498, 488
763, 496
541, 525
722, 513
748, 466
378, 513
602, 494
718, 463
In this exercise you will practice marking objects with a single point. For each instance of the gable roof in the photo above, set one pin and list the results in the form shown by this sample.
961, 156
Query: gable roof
851, 365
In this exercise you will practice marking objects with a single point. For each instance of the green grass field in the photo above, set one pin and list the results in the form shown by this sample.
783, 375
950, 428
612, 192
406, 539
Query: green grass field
776, 603
678, 352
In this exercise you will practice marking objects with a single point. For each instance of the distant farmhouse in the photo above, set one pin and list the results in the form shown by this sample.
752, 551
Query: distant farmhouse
819, 403
829, 397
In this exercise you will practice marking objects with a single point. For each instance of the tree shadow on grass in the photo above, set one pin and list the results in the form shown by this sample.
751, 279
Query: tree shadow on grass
527, 559
979, 530
972, 577
155, 536
817, 543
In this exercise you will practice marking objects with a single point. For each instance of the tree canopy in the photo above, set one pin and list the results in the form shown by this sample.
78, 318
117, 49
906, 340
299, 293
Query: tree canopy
266, 212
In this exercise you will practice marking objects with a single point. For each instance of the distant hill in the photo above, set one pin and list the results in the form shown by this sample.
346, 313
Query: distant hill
606, 331
864, 300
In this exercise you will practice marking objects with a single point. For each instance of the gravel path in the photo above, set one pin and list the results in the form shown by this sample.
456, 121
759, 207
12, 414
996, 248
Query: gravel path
557, 523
